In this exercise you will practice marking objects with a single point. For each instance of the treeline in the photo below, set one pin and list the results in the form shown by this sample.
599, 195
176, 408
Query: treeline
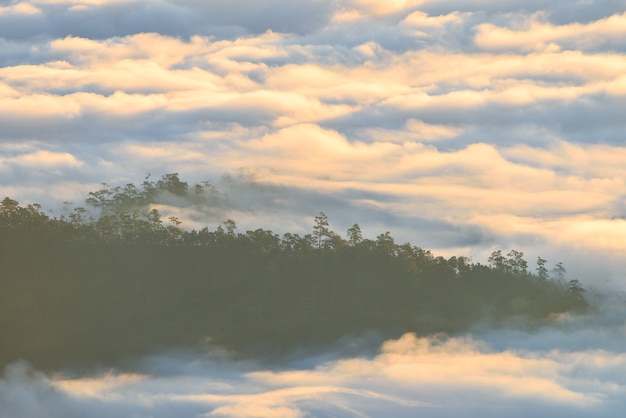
113, 279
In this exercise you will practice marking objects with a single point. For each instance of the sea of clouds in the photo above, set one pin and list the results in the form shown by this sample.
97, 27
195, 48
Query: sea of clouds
573, 368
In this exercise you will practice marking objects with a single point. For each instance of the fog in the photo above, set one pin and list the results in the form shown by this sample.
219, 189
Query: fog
573, 368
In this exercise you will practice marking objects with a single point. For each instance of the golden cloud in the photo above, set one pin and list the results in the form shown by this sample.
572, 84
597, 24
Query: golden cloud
19, 8
539, 35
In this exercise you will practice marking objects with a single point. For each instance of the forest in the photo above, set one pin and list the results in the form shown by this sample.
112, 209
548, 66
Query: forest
112, 280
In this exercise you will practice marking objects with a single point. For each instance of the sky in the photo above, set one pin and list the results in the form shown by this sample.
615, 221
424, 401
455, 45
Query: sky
462, 126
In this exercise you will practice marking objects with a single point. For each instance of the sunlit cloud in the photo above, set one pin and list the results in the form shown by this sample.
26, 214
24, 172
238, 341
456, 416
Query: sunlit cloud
538, 34
19, 8
393, 6
421, 19
438, 375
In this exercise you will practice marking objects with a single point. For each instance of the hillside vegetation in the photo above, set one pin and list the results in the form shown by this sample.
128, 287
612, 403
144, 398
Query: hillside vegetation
114, 280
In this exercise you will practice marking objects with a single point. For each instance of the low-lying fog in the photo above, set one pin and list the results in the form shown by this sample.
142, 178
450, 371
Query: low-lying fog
575, 368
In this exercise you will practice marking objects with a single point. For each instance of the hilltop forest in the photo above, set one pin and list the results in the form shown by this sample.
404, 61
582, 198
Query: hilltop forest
113, 280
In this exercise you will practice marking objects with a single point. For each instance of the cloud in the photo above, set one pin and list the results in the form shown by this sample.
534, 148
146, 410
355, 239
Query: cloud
421, 19
394, 6
105, 19
574, 369
537, 34
43, 158
19, 9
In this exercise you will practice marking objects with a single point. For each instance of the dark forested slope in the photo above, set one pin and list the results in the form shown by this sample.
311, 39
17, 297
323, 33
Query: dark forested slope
80, 290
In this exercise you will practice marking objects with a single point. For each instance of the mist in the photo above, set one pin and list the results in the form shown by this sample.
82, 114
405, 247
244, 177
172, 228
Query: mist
574, 368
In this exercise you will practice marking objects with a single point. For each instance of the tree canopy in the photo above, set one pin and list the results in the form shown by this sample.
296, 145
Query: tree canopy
115, 279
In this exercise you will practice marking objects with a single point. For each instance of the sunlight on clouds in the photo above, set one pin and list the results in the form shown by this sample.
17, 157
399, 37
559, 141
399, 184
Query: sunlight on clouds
306, 78
480, 168
39, 106
459, 362
538, 35
254, 411
363, 86
307, 148
45, 158
161, 151
600, 234
267, 45
19, 8
387, 7
414, 130
580, 232
73, 105
283, 402
485, 72
8, 91
148, 48
509, 191
347, 16
297, 93
436, 374
422, 366
421, 19
98, 387
430, 132
86, 2
602, 162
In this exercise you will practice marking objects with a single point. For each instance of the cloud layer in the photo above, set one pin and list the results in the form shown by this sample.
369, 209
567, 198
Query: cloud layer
500, 123
574, 370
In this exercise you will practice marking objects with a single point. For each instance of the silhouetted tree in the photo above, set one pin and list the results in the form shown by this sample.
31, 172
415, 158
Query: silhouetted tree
355, 237
321, 232
542, 271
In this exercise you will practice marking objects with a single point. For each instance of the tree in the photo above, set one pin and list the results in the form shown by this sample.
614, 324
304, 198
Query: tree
264, 240
497, 261
172, 184
355, 237
230, 226
174, 233
542, 271
575, 289
154, 226
102, 198
321, 232
559, 272
516, 263
386, 243
149, 190
9, 213
77, 217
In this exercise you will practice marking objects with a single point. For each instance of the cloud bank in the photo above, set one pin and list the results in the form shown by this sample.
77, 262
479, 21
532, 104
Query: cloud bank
501, 122
581, 375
